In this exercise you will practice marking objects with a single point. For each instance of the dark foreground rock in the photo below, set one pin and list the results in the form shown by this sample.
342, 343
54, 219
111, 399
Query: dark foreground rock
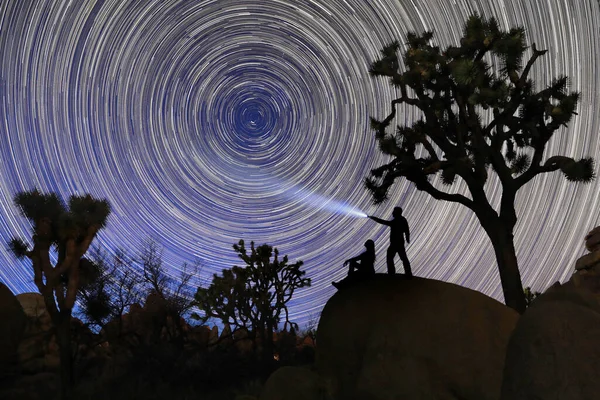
293, 383
553, 353
393, 338
12, 325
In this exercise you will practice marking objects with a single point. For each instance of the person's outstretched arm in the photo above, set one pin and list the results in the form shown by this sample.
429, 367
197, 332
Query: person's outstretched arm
357, 258
380, 221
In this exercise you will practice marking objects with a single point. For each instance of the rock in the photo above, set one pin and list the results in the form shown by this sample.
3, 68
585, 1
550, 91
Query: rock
12, 326
40, 386
588, 261
592, 243
226, 338
308, 340
240, 334
592, 240
148, 325
293, 383
393, 338
553, 353
38, 350
213, 338
31, 353
199, 336
33, 304
586, 280
35, 309
242, 341
135, 308
157, 306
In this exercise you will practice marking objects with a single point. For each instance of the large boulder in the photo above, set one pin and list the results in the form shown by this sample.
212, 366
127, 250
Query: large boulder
243, 342
293, 383
12, 325
38, 349
40, 386
149, 325
198, 336
35, 309
393, 338
553, 352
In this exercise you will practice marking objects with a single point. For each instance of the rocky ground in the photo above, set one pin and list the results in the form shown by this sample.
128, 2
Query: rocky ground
388, 338
146, 353
424, 339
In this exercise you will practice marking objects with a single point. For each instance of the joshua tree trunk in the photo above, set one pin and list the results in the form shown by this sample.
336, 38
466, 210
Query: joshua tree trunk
268, 348
500, 231
63, 336
510, 277
61, 321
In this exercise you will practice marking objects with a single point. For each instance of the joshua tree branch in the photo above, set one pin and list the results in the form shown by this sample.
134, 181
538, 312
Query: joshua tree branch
425, 185
536, 54
551, 164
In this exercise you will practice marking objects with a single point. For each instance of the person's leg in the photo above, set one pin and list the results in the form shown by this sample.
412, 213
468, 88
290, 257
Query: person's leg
353, 266
405, 262
391, 252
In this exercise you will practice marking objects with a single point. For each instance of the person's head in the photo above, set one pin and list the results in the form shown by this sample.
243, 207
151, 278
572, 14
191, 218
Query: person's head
370, 245
397, 212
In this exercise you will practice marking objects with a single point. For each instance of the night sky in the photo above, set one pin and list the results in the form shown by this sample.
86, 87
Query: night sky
206, 122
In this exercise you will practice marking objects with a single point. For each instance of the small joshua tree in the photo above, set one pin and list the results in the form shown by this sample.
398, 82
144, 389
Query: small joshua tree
69, 232
474, 121
254, 297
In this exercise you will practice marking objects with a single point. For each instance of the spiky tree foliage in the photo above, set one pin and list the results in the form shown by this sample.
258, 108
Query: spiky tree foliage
254, 296
109, 286
530, 295
474, 120
93, 296
68, 231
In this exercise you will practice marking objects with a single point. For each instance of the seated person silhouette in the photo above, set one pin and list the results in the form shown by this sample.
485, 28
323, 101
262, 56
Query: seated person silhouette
360, 267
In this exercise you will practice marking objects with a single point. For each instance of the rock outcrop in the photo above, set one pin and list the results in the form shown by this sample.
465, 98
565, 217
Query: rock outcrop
37, 351
243, 343
12, 325
149, 325
293, 383
553, 352
38, 348
392, 338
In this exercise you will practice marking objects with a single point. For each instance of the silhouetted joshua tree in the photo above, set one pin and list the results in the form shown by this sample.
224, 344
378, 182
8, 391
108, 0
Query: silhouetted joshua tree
475, 120
69, 232
254, 297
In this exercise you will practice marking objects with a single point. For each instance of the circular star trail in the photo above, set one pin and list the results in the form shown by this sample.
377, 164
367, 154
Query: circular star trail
206, 122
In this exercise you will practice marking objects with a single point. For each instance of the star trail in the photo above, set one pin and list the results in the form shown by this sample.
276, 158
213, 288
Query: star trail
206, 122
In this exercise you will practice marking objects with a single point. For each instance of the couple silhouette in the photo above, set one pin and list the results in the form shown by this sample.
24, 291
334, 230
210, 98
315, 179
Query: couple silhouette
363, 266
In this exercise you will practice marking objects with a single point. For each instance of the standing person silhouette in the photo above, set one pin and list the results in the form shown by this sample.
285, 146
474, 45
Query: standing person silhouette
398, 228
